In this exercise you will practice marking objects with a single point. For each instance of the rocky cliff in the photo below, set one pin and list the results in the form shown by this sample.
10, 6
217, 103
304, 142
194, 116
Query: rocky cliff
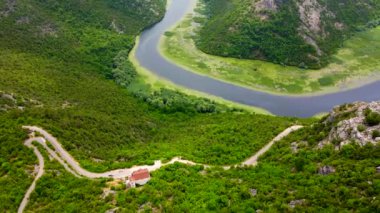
354, 123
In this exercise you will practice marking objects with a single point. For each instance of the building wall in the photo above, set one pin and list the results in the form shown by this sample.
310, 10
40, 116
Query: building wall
142, 182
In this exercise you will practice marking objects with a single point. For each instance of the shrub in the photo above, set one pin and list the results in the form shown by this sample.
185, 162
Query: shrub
367, 111
361, 128
372, 118
168, 33
336, 141
326, 81
375, 134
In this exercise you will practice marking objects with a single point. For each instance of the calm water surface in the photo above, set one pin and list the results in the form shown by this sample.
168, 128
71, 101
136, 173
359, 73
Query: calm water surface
149, 57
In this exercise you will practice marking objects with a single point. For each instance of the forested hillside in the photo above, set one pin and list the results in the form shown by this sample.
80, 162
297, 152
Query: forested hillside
82, 32
303, 33
64, 67
308, 171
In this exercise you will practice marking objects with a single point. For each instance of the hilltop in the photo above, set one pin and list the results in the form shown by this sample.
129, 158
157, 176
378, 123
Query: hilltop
302, 33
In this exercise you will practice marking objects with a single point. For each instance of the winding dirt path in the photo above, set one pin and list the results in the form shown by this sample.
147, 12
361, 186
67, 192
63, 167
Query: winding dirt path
72, 166
252, 161
41, 165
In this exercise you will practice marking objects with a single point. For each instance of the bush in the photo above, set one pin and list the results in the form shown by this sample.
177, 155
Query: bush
326, 81
375, 134
361, 128
372, 118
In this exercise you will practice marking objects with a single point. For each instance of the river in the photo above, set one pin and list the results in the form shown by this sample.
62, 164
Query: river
149, 57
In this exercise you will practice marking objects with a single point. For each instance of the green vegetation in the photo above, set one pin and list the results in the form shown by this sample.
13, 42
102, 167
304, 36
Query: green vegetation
66, 58
372, 118
16, 162
60, 191
361, 128
68, 61
375, 134
282, 33
354, 64
281, 177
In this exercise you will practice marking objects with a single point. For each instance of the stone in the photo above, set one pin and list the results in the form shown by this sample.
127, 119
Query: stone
325, 170
378, 169
107, 192
8, 96
349, 118
253, 192
295, 203
294, 147
112, 210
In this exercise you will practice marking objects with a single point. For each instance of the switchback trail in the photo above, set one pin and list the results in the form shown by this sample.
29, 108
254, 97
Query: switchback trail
72, 166
40, 172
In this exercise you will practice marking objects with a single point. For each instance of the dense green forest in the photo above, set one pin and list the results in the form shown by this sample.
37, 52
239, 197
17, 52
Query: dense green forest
63, 67
299, 33
288, 179
284, 181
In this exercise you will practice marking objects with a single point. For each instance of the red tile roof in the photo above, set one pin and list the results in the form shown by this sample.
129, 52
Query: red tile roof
140, 175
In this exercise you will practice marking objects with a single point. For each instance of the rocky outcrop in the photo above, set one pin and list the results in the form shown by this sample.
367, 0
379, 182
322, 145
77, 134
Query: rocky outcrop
310, 13
253, 192
262, 5
261, 8
350, 124
295, 203
10, 6
325, 170
295, 146
9, 101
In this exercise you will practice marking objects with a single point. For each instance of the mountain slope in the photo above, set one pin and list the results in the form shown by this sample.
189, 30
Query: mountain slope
75, 31
55, 58
297, 32
296, 175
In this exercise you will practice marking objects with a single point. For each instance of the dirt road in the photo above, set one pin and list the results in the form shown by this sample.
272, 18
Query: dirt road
72, 166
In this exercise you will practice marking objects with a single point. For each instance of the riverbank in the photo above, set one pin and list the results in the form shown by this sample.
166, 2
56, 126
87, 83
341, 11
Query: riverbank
155, 82
151, 62
354, 65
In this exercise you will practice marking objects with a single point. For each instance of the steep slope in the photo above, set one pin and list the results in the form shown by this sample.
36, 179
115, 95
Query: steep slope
55, 58
91, 31
297, 32
296, 175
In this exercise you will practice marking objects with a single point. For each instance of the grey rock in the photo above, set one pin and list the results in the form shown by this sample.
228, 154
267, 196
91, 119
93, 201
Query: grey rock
107, 192
346, 130
295, 203
325, 170
112, 210
8, 96
294, 147
253, 192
